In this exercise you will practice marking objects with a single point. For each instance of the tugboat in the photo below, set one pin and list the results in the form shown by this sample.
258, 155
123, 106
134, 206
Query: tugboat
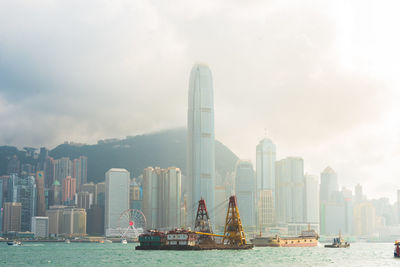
397, 249
338, 242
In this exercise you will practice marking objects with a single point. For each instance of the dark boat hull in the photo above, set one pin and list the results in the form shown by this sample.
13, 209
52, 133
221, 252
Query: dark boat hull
196, 247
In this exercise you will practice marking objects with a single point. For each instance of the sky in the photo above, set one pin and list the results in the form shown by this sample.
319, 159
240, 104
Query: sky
320, 78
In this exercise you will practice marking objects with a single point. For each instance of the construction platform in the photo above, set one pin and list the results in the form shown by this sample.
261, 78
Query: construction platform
195, 247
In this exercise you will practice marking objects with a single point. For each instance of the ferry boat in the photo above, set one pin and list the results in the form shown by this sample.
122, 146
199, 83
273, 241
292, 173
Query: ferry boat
15, 243
124, 241
397, 249
67, 241
338, 242
307, 238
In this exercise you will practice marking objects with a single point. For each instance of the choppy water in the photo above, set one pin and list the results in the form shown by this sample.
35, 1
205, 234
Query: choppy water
93, 254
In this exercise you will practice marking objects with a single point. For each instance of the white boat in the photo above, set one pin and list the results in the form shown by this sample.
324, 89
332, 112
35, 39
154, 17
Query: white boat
124, 241
67, 241
107, 241
15, 243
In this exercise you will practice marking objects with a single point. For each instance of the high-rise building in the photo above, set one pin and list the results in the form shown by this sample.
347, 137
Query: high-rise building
172, 198
364, 219
79, 171
12, 217
63, 168
265, 208
329, 184
40, 205
290, 190
358, 193
135, 196
92, 189
201, 137
246, 192
44, 153
49, 172
26, 195
117, 198
74, 221
68, 190
101, 194
56, 194
311, 199
265, 165
150, 197
40, 226
95, 220
13, 165
84, 200
55, 215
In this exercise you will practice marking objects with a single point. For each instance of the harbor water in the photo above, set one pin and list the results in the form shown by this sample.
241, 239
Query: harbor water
117, 254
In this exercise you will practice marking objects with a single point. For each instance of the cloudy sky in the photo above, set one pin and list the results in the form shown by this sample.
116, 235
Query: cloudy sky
322, 78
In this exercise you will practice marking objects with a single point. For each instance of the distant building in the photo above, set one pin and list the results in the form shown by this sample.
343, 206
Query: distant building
135, 196
40, 226
56, 217
117, 198
220, 216
329, 184
40, 204
56, 194
265, 206
12, 217
84, 200
63, 168
265, 165
49, 172
290, 190
311, 199
79, 171
95, 220
151, 197
364, 219
172, 198
74, 222
92, 189
1, 205
201, 137
101, 194
26, 195
68, 190
358, 194
13, 165
246, 192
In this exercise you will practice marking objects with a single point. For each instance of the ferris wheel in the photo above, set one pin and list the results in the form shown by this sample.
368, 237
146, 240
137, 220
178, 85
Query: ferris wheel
131, 223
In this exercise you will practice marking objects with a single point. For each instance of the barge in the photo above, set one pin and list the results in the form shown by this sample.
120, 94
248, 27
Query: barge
307, 238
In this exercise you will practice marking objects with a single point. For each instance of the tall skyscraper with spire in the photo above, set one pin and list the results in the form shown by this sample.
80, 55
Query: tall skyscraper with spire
201, 137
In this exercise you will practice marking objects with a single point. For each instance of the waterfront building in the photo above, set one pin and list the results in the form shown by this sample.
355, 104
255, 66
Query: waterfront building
266, 211
311, 199
101, 194
26, 195
12, 217
40, 226
201, 137
246, 192
56, 198
290, 190
55, 215
116, 198
329, 184
364, 219
172, 198
74, 221
68, 190
150, 197
40, 204
95, 220
84, 200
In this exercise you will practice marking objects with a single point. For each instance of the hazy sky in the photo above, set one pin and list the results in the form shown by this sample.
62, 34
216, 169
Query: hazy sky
323, 77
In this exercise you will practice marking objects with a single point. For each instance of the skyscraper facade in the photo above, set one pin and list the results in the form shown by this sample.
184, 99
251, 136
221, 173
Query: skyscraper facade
311, 199
68, 190
290, 190
12, 217
201, 137
40, 204
329, 184
40, 226
246, 192
265, 165
117, 198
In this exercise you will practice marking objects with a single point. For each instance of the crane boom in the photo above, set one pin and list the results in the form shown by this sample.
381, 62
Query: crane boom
201, 233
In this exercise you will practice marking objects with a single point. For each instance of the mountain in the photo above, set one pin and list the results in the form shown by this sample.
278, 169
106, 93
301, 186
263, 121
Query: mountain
162, 149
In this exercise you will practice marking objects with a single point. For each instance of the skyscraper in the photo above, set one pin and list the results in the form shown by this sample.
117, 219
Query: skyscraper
201, 137
12, 217
40, 204
79, 171
311, 199
245, 192
1, 205
68, 190
290, 190
117, 198
329, 184
265, 165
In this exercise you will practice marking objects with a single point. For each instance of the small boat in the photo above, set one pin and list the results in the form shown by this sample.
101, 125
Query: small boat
15, 243
124, 241
397, 249
67, 241
338, 242
107, 241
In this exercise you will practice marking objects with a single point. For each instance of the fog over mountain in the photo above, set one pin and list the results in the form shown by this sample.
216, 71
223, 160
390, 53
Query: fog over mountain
323, 84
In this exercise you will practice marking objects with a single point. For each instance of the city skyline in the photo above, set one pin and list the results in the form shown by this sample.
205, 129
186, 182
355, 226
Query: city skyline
311, 87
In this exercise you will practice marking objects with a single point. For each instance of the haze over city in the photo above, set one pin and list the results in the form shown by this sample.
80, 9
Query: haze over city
323, 85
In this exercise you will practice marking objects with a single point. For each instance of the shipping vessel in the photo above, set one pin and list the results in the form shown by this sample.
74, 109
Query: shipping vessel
202, 238
308, 238
338, 242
